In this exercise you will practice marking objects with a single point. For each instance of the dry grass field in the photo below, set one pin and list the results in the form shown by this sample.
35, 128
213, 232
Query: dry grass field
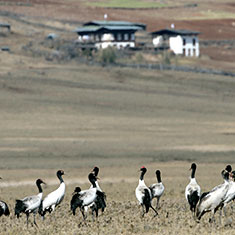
122, 215
72, 116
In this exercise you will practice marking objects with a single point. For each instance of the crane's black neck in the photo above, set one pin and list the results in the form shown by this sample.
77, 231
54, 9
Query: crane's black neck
193, 168
39, 187
158, 174
60, 178
96, 171
92, 179
143, 171
193, 173
226, 176
93, 184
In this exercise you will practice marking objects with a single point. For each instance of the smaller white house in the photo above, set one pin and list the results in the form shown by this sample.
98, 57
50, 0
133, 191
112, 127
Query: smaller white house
181, 42
102, 34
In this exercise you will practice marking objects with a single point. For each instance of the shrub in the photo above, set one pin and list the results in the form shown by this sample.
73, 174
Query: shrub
108, 55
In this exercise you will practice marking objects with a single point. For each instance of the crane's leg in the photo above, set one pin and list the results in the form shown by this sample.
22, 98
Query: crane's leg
224, 209
143, 212
156, 213
34, 219
27, 219
212, 219
83, 214
158, 199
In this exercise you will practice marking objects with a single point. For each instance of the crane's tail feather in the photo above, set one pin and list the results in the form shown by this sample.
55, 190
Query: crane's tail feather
75, 203
19, 207
147, 200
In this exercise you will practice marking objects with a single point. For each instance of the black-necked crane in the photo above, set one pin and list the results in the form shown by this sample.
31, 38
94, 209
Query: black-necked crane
100, 201
143, 193
53, 199
83, 198
96, 172
30, 204
213, 200
4, 209
158, 188
230, 195
193, 190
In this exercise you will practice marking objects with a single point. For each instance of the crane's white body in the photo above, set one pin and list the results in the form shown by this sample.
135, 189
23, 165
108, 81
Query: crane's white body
157, 189
139, 191
54, 198
213, 200
230, 195
32, 202
192, 187
88, 196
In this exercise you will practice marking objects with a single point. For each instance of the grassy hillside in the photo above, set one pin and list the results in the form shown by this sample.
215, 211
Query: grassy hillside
128, 4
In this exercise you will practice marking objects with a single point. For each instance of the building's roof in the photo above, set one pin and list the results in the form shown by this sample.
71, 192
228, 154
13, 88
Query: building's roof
174, 32
87, 29
6, 25
96, 29
114, 23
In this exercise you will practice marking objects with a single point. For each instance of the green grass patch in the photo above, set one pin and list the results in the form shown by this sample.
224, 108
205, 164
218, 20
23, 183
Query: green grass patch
127, 4
207, 15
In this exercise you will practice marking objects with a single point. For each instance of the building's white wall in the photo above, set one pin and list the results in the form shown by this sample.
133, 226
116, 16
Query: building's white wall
188, 48
157, 41
118, 45
107, 37
84, 38
109, 40
176, 44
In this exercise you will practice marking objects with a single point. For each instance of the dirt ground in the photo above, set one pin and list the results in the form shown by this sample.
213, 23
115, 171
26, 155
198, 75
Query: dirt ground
215, 21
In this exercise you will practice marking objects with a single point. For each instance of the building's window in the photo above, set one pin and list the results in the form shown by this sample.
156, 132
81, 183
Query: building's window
194, 41
126, 37
132, 36
119, 37
122, 37
194, 52
99, 37
184, 51
184, 41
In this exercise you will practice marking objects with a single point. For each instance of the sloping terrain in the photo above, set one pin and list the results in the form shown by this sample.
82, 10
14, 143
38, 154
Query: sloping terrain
64, 114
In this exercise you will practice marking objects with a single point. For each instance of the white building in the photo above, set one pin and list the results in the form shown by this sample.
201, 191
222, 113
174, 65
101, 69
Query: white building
181, 42
102, 34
